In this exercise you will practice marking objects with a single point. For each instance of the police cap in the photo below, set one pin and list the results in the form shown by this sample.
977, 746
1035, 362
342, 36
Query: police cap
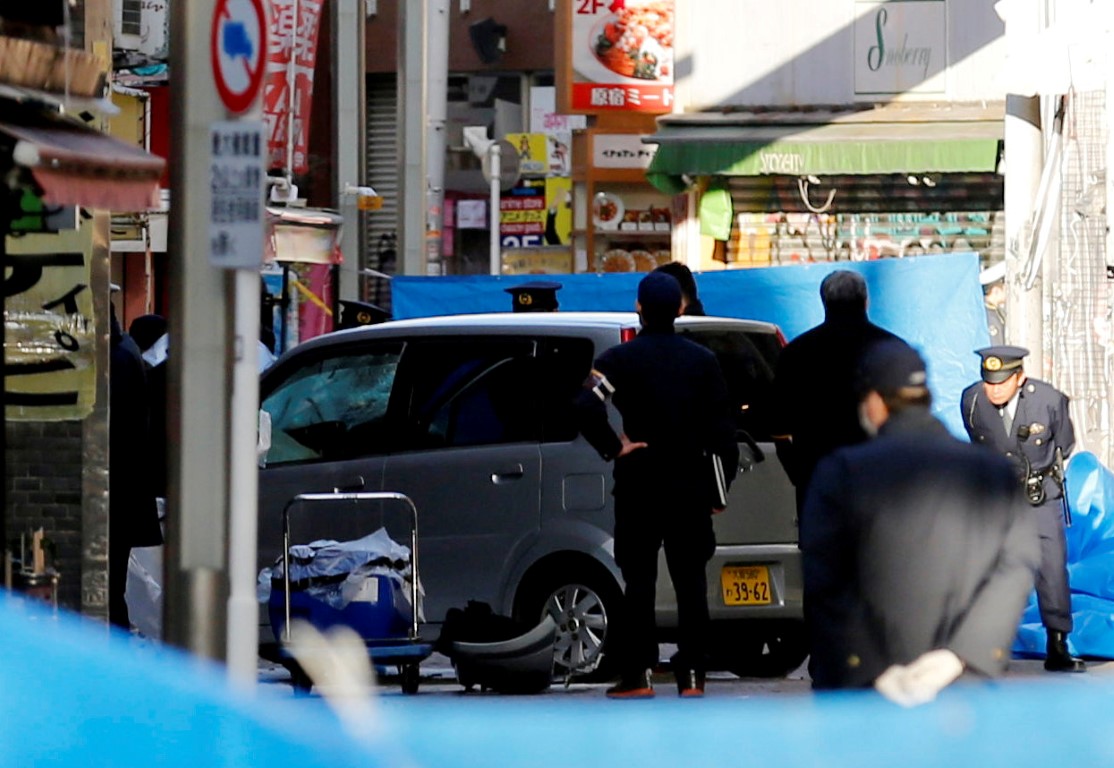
1000, 362
356, 313
535, 296
992, 275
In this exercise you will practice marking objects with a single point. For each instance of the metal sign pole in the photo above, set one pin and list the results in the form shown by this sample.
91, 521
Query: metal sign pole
197, 507
495, 169
217, 209
413, 42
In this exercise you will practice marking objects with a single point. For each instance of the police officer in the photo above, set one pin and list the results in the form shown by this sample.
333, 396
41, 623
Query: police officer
993, 280
1027, 421
675, 411
535, 296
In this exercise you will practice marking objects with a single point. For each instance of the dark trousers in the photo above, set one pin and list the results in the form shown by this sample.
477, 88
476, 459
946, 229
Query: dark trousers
1053, 591
642, 526
118, 555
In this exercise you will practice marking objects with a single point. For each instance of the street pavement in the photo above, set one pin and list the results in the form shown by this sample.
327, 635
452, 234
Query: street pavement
438, 679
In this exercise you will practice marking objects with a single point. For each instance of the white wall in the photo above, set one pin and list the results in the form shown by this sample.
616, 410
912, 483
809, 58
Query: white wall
798, 52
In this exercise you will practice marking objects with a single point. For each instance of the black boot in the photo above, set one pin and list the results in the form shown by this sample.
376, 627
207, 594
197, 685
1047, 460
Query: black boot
1058, 658
633, 686
690, 683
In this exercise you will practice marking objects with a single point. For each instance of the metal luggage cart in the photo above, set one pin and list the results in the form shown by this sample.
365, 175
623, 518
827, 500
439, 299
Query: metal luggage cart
404, 652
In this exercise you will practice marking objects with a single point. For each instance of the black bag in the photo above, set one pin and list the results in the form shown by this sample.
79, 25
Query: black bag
476, 623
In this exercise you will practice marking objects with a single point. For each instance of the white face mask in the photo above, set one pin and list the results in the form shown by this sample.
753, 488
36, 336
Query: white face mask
864, 422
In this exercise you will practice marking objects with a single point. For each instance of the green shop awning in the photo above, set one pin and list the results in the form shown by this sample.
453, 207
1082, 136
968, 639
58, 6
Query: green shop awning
864, 142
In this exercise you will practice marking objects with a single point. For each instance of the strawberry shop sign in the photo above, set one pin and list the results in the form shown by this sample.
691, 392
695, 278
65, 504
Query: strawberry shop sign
900, 47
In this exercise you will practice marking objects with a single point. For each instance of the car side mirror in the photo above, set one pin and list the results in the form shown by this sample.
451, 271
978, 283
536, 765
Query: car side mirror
263, 437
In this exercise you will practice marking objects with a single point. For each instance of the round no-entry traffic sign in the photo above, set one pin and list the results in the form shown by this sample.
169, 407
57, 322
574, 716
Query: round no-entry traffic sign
238, 49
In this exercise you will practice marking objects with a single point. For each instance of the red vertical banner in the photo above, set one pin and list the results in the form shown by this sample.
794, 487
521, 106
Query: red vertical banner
294, 25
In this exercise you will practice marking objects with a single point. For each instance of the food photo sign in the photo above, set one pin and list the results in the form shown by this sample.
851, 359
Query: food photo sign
616, 56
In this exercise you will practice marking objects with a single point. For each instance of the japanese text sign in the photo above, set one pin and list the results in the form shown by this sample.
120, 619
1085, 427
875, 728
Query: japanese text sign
236, 203
620, 57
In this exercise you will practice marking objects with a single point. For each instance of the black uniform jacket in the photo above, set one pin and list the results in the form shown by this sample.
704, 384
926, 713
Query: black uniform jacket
1042, 410
914, 541
814, 389
671, 395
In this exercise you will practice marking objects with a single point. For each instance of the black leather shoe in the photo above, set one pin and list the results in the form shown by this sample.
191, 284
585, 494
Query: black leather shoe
690, 683
636, 686
1058, 659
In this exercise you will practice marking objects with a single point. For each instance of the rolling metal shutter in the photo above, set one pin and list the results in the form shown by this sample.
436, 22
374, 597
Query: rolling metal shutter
782, 219
382, 175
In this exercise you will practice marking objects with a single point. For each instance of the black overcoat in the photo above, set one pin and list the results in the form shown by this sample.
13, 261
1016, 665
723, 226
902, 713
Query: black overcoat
815, 395
671, 394
914, 541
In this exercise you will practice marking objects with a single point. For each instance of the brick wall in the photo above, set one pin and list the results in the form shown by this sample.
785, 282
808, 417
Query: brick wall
44, 482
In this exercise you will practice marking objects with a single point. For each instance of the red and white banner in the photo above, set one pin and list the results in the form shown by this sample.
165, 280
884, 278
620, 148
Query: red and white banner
297, 37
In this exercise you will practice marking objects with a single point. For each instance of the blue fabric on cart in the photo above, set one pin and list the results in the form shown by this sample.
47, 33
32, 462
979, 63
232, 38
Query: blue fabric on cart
363, 584
382, 613
1090, 540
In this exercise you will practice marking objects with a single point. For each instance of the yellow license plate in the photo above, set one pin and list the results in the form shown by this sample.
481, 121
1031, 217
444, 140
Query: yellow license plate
746, 585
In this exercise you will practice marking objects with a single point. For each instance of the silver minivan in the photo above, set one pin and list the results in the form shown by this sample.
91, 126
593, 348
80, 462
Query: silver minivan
470, 416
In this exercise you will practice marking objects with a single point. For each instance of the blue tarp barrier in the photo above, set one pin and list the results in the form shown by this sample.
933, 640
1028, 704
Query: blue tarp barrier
934, 302
1090, 541
1038, 724
75, 694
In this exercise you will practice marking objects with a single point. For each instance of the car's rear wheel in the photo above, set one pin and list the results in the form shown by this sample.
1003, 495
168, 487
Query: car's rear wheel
760, 648
585, 608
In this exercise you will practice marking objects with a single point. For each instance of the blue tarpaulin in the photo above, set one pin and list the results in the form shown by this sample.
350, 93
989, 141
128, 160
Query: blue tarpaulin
73, 696
76, 694
934, 302
1037, 724
1090, 539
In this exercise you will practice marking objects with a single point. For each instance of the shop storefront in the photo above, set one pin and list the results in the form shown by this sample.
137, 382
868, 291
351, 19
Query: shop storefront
623, 223
60, 179
300, 274
783, 187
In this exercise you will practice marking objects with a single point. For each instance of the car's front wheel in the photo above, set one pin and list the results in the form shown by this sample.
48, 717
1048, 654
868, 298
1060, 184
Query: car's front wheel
585, 608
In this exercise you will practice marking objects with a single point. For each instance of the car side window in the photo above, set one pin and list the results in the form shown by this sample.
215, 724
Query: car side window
564, 363
333, 407
747, 360
472, 392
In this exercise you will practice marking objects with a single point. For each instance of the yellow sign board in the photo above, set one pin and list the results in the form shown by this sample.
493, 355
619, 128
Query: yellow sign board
49, 350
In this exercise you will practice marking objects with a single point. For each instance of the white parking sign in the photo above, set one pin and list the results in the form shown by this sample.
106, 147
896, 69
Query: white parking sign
236, 181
